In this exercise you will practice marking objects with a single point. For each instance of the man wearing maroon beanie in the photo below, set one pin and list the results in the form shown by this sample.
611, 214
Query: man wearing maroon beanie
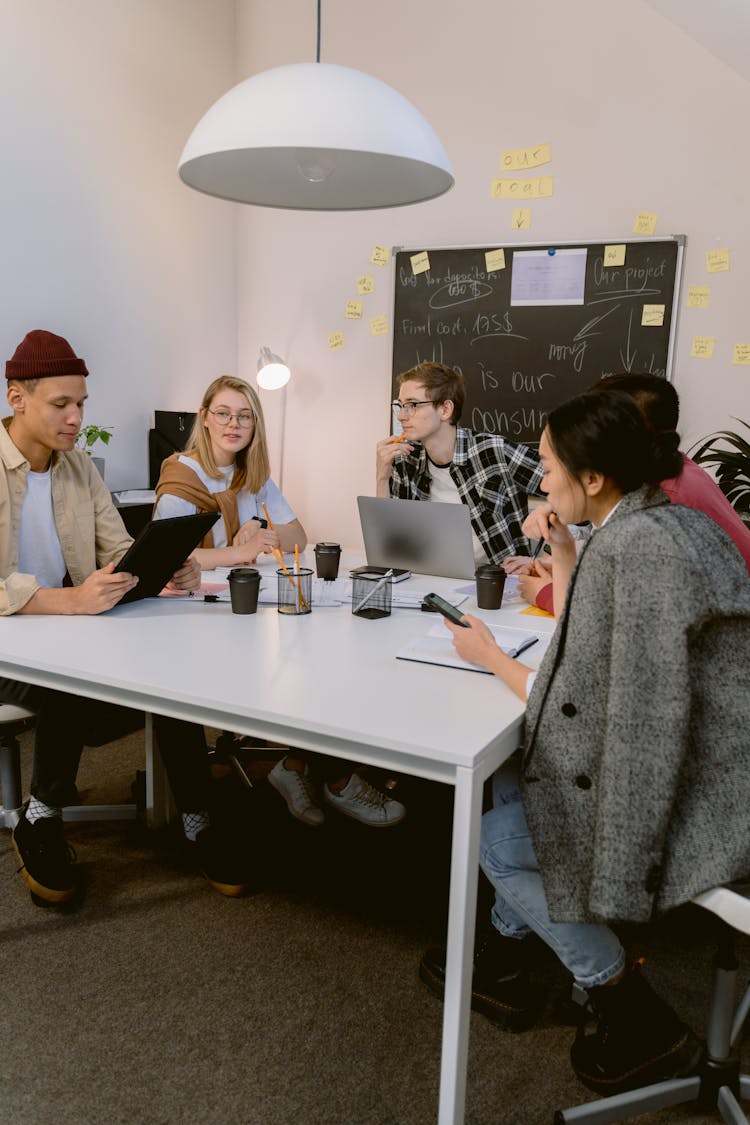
60, 540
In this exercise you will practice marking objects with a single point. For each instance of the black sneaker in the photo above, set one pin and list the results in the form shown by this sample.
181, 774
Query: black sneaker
638, 1039
47, 861
500, 987
219, 860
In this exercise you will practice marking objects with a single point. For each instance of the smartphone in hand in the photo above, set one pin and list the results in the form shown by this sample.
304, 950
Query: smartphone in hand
442, 606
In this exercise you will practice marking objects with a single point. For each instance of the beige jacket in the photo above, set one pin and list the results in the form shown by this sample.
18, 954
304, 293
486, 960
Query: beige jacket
90, 529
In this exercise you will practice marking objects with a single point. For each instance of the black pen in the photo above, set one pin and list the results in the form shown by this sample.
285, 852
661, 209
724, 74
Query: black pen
514, 652
537, 550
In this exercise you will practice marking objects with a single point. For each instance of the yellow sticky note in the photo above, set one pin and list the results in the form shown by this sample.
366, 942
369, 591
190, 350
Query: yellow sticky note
420, 263
652, 316
380, 255
536, 611
645, 222
717, 261
614, 255
353, 310
537, 188
336, 341
741, 355
703, 347
515, 159
698, 296
494, 260
378, 325
521, 218
366, 283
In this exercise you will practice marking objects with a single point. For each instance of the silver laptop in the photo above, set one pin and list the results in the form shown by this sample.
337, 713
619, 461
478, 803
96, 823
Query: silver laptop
417, 535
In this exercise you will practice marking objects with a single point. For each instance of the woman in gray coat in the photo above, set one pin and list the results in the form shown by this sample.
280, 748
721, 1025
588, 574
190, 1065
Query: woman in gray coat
631, 793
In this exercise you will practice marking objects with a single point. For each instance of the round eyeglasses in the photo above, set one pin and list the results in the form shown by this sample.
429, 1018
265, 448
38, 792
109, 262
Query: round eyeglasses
408, 409
223, 418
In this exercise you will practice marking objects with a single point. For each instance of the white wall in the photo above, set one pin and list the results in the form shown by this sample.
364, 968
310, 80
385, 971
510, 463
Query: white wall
639, 118
101, 242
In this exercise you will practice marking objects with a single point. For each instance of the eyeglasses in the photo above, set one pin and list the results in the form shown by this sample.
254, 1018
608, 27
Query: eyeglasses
408, 409
223, 418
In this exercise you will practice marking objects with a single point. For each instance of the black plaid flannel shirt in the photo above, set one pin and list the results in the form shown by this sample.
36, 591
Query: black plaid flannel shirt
494, 478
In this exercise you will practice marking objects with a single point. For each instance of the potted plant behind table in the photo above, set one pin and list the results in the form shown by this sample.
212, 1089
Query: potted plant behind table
87, 437
728, 454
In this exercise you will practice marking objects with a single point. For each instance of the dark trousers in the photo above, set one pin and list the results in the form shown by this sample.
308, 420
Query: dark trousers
67, 723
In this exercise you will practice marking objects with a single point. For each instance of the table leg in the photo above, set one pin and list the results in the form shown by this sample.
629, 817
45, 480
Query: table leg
467, 811
160, 806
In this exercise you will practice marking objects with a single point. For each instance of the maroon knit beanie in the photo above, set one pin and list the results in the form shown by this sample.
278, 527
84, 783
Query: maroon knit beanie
42, 354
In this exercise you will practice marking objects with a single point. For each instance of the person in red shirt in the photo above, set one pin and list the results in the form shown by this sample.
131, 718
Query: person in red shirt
659, 404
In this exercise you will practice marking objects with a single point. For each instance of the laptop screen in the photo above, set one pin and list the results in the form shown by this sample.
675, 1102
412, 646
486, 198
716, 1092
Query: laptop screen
417, 535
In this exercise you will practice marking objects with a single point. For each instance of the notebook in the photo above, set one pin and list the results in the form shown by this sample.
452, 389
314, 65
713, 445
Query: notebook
417, 535
436, 647
160, 549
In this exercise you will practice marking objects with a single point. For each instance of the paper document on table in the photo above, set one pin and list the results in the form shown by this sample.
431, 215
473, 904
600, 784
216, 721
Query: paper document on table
323, 593
436, 647
135, 496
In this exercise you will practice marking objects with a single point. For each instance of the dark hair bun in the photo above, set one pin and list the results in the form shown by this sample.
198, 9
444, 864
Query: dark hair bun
666, 454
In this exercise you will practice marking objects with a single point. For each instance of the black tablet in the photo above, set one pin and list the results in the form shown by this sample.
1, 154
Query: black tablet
160, 549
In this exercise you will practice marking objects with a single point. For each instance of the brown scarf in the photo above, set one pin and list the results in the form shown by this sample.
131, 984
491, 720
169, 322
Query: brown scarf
178, 479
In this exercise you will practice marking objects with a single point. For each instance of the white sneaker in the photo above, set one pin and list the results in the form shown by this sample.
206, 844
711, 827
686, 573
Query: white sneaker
297, 789
362, 801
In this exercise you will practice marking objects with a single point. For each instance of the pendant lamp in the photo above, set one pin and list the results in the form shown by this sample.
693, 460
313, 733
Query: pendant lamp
315, 137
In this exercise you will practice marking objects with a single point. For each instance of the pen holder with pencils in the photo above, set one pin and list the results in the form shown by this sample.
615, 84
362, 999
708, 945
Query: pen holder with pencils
371, 596
294, 590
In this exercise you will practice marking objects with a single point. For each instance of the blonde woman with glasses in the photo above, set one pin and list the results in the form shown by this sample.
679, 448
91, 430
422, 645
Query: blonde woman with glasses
225, 468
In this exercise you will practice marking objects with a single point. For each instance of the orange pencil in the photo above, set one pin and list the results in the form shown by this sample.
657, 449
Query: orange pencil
401, 437
302, 598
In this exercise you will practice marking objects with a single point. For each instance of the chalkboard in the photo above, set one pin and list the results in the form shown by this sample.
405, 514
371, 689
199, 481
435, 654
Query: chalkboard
520, 360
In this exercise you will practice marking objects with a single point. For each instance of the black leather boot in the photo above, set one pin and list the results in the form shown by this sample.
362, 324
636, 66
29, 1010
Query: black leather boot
500, 987
638, 1039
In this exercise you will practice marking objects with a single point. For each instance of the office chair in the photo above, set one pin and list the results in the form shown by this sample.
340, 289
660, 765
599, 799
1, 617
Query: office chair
13, 721
719, 1085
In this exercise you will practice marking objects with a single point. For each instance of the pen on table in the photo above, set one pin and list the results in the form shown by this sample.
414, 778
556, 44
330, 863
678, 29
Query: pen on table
515, 652
371, 593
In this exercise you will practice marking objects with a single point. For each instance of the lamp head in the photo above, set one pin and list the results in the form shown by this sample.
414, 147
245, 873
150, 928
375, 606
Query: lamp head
273, 373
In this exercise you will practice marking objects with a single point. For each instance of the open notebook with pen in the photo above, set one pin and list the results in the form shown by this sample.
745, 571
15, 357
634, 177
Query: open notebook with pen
436, 647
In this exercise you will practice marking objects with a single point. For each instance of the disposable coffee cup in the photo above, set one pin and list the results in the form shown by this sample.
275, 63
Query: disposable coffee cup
244, 583
490, 582
327, 557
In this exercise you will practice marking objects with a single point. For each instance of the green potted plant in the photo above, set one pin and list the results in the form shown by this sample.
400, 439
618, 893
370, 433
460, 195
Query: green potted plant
728, 454
87, 437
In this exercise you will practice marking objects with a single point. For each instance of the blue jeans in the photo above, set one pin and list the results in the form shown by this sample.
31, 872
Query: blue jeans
592, 953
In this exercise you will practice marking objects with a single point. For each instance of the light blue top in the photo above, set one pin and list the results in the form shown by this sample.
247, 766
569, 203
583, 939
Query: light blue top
249, 504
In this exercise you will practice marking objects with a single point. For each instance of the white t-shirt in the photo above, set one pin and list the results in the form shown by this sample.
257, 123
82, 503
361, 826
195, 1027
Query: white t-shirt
39, 550
249, 504
443, 490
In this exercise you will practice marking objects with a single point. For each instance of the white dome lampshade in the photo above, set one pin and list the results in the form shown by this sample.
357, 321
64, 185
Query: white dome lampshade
315, 137
273, 373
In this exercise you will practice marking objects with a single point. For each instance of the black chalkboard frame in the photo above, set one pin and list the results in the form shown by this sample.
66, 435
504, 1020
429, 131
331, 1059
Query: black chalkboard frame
520, 362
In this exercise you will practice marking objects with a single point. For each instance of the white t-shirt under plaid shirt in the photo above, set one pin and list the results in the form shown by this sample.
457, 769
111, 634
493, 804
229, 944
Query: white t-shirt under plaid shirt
494, 478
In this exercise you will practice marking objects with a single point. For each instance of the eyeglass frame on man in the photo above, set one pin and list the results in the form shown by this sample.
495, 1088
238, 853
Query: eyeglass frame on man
244, 420
410, 408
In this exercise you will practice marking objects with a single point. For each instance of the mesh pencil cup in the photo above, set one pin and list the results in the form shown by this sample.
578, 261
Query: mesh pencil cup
294, 590
371, 596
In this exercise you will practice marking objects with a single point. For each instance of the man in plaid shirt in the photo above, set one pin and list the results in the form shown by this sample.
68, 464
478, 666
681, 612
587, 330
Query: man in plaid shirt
442, 461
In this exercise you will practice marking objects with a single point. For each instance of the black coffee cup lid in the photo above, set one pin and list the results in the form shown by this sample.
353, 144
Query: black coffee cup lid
244, 574
489, 571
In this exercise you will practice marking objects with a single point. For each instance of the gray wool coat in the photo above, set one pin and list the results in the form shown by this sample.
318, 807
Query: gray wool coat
636, 768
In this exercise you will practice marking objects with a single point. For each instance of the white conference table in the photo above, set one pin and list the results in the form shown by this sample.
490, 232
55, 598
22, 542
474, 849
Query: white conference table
328, 682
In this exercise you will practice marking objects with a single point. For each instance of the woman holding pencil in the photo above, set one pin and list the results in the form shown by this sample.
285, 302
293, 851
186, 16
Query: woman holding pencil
225, 467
